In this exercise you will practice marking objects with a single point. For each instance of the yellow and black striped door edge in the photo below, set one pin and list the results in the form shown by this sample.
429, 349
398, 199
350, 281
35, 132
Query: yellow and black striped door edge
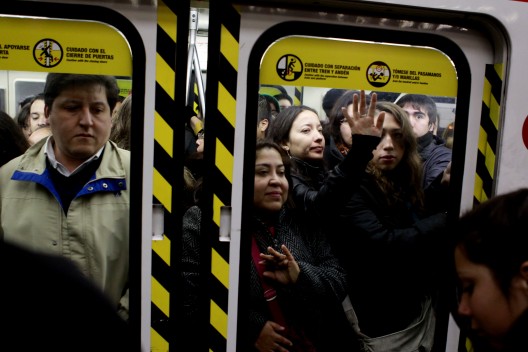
220, 123
298, 96
164, 172
488, 134
487, 148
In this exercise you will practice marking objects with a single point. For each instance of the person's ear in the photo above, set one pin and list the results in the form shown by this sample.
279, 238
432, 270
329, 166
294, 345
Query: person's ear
263, 125
524, 270
46, 111
521, 279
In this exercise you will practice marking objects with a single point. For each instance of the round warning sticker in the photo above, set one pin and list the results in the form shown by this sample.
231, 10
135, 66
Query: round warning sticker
289, 67
47, 53
378, 74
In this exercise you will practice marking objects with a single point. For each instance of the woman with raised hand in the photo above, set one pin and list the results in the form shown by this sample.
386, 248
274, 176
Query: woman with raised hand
316, 189
390, 249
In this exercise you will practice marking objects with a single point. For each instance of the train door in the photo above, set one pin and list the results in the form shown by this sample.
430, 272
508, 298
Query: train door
82, 39
306, 51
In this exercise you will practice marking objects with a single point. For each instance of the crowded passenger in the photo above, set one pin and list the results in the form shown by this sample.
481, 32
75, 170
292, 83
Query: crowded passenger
337, 132
285, 100
48, 304
22, 119
389, 248
32, 119
316, 189
121, 123
273, 104
491, 259
329, 100
295, 283
12, 140
264, 116
68, 194
423, 115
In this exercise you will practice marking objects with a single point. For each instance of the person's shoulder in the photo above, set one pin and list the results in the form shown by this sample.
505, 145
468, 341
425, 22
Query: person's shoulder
123, 155
39, 134
8, 168
439, 142
368, 181
368, 188
438, 147
441, 150
115, 148
48, 293
10, 165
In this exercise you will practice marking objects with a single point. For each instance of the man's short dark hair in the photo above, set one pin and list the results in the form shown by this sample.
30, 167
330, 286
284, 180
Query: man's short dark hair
264, 110
58, 82
284, 96
330, 98
422, 101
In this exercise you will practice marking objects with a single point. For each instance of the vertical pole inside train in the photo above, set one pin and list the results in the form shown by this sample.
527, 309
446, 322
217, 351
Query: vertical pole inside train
193, 66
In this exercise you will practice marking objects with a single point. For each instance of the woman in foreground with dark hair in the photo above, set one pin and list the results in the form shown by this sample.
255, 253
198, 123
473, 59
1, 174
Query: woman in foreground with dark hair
491, 259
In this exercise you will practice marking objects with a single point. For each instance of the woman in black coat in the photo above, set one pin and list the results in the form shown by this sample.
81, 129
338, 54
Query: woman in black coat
296, 284
388, 247
318, 190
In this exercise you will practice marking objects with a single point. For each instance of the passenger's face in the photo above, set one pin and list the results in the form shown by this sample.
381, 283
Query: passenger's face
273, 110
419, 120
346, 132
490, 311
306, 139
271, 185
284, 103
37, 119
200, 145
81, 120
390, 149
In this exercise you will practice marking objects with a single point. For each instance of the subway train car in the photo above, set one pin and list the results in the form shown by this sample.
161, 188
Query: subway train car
212, 58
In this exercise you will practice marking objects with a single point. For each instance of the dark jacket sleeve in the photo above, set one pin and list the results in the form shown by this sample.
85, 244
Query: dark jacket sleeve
438, 156
322, 278
366, 216
339, 183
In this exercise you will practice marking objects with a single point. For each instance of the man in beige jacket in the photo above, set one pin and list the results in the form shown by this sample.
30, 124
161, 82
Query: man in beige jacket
68, 194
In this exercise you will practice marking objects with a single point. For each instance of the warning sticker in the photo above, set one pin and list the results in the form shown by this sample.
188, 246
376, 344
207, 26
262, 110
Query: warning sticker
335, 63
63, 46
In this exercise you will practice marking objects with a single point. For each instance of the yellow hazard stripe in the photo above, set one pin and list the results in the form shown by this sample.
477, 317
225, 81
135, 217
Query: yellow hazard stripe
162, 187
297, 98
228, 105
488, 134
229, 47
487, 143
219, 319
224, 161
220, 269
225, 116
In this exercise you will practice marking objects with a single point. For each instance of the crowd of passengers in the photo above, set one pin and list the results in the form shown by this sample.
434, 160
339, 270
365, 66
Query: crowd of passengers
349, 244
